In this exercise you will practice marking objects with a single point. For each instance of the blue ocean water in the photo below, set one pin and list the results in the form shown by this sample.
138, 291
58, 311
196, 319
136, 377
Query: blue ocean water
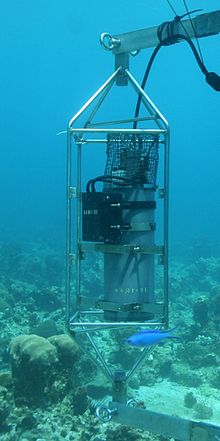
52, 62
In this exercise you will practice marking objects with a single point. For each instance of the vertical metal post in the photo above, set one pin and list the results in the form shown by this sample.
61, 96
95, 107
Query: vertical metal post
78, 214
68, 225
166, 225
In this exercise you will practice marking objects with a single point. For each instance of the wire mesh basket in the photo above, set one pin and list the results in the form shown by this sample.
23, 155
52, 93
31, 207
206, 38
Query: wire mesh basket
133, 158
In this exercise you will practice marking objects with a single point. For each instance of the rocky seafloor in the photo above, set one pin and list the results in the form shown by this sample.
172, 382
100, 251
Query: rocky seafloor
49, 388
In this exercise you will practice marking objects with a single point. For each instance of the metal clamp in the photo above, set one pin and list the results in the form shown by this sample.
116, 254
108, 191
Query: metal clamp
72, 193
104, 414
136, 249
109, 42
71, 259
161, 193
78, 139
134, 53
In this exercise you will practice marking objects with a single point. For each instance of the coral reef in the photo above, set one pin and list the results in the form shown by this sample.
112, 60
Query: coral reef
32, 359
67, 348
48, 393
121, 433
32, 350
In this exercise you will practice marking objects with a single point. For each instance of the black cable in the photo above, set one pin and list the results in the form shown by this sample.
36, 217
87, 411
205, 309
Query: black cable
188, 14
106, 178
138, 105
171, 38
195, 52
212, 78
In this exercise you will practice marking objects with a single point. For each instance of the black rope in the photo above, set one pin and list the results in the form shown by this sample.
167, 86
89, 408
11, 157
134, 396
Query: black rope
168, 28
193, 28
170, 5
184, 15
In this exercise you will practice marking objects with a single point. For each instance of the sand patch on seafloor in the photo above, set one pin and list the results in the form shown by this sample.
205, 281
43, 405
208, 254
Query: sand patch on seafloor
167, 397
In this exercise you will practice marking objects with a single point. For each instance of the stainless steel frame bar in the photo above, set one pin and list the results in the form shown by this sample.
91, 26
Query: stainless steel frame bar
105, 325
78, 232
68, 226
166, 224
102, 141
145, 352
165, 425
100, 360
110, 80
83, 130
98, 105
152, 109
123, 121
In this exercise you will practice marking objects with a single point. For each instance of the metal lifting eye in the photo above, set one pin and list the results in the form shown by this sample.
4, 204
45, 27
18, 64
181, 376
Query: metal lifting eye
109, 42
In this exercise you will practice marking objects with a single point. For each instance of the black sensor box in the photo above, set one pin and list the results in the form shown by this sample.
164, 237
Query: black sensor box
101, 217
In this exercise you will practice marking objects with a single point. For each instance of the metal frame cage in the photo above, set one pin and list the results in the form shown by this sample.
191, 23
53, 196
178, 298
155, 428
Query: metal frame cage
84, 316
145, 142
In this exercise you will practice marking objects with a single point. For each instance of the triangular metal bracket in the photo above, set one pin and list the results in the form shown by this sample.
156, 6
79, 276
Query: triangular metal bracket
101, 94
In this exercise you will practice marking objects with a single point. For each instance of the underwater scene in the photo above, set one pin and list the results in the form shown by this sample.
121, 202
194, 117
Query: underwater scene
109, 226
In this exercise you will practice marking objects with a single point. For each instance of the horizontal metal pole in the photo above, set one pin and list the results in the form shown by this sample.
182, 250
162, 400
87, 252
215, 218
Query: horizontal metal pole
95, 329
122, 121
204, 24
103, 141
115, 324
94, 141
163, 424
153, 131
